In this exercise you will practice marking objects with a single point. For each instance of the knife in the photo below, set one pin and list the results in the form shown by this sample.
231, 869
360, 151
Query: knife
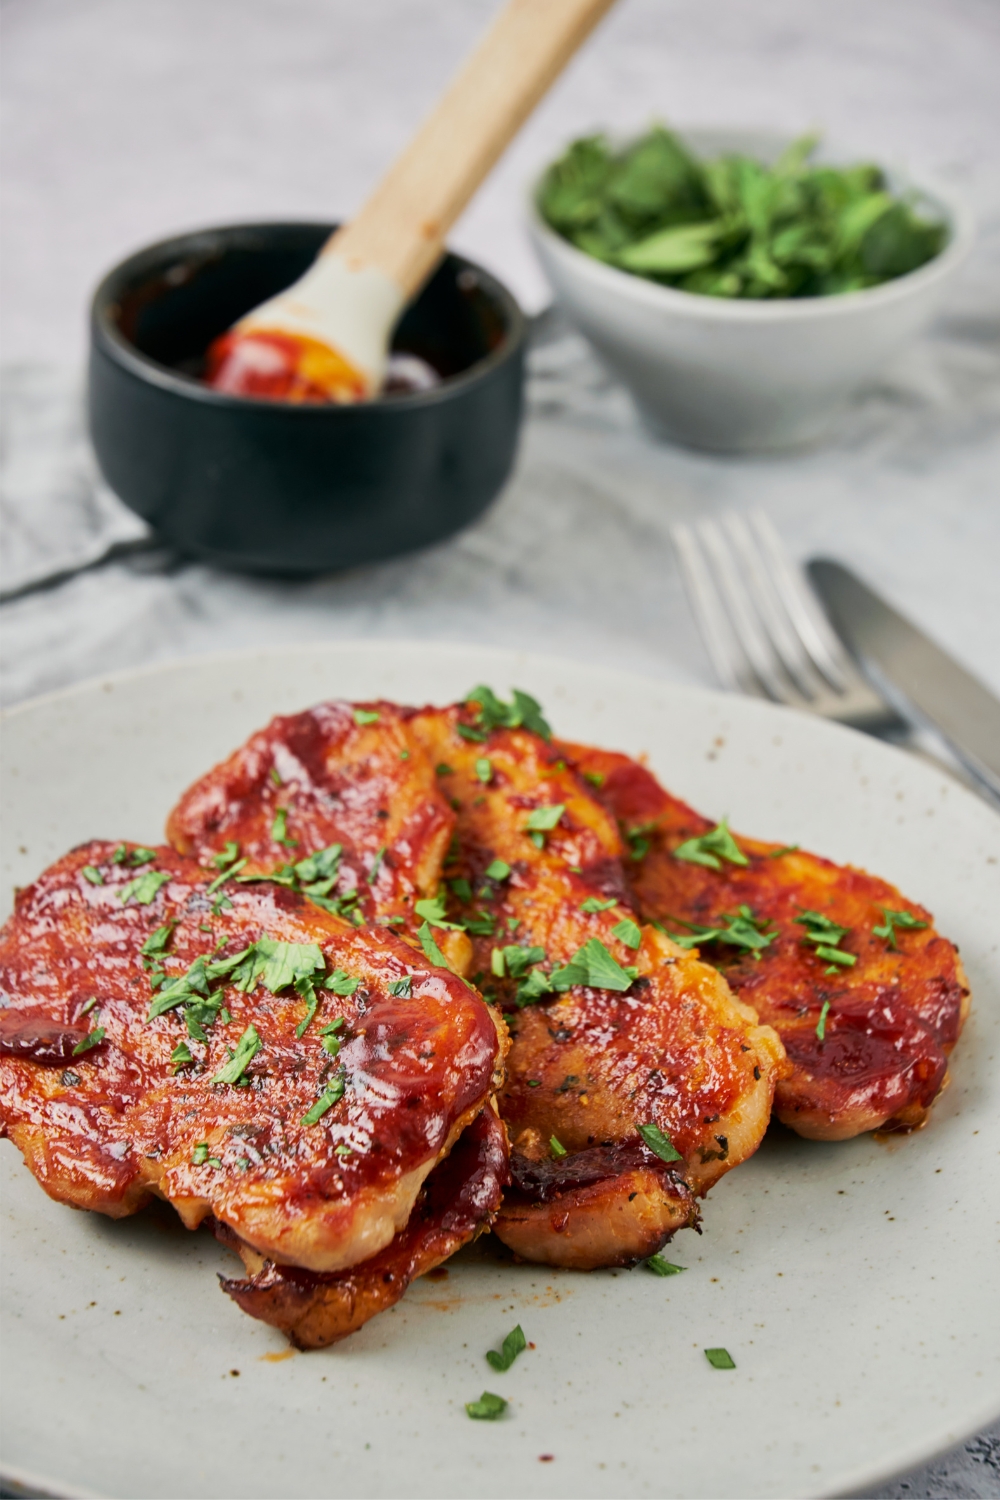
931, 683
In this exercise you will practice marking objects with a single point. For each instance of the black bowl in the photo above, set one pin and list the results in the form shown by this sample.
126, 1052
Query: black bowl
269, 487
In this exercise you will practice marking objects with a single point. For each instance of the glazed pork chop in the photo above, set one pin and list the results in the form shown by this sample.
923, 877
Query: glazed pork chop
341, 778
866, 996
458, 1201
237, 1051
635, 1079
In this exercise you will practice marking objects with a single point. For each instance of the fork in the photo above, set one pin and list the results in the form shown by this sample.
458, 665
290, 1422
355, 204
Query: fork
764, 629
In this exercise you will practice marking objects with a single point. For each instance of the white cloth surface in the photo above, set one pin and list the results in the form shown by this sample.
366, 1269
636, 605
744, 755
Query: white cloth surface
126, 120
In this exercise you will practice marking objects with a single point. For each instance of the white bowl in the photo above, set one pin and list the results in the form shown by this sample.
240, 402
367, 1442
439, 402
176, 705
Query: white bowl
738, 375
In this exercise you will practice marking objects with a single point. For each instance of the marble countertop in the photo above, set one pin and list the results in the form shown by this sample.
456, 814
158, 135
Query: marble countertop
127, 121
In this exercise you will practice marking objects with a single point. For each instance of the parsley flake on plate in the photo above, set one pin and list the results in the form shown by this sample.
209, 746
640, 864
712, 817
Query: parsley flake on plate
499, 869
488, 1408
720, 1359
279, 829
821, 1023
594, 904
331, 1096
199, 1153
431, 909
484, 770
661, 1267
430, 947
741, 931
376, 865
544, 819
557, 1148
594, 966
181, 1055
366, 716
514, 1344
92, 1039
402, 988
523, 712
247, 1048
659, 1143
93, 874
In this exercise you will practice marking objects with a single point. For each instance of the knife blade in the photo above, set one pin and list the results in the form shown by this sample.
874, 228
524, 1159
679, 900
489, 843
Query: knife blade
941, 692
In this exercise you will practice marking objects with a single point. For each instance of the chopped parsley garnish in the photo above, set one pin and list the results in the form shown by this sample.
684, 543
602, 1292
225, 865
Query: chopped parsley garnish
741, 931
341, 983
523, 712
593, 965
826, 936
660, 1144
627, 932
312, 1006
342, 1149
710, 849
92, 1039
199, 1155
484, 770
544, 819
483, 924
93, 874
595, 904
279, 829
462, 889
430, 947
596, 778
516, 961
533, 988
637, 839
120, 855
498, 870
247, 1048
557, 1148
225, 875
181, 1055
477, 736
432, 911
661, 1267
321, 866
402, 988
514, 1344
488, 1408
229, 855
893, 919
331, 1096
821, 1023
141, 856
366, 716
443, 769
88, 1006
785, 849
376, 865
144, 888
276, 776
720, 1359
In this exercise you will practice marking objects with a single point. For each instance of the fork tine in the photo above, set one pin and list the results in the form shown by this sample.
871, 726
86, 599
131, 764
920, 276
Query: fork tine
746, 623
728, 659
804, 612
767, 603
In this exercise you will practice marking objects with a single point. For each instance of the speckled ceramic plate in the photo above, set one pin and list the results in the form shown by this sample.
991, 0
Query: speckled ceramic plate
855, 1285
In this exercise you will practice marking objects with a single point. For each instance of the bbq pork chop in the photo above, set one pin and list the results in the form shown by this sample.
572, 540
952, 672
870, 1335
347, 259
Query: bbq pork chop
866, 996
635, 1079
342, 781
239, 1052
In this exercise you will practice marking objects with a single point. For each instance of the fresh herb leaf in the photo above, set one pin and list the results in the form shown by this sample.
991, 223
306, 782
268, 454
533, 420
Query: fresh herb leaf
821, 1023
199, 1153
144, 888
557, 1148
785, 849
514, 1344
522, 712
720, 1359
443, 769
820, 929
477, 736
181, 1055
92, 1039
499, 869
93, 874
331, 1096
341, 983
596, 778
533, 988
893, 920
593, 965
141, 856
224, 875
544, 819
595, 904
484, 770
323, 865
462, 889
402, 988
482, 924
247, 1048
488, 1408
627, 932
376, 865
88, 1006
120, 855
430, 947
279, 829
661, 1267
836, 957
710, 849
272, 963
366, 716
741, 931
432, 911
229, 855
276, 776
659, 1143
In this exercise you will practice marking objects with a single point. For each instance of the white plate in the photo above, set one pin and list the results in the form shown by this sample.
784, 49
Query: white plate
855, 1284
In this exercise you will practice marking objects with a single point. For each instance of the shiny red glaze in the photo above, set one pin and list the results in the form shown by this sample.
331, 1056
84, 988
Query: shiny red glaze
366, 786
458, 1201
275, 366
121, 1123
903, 1009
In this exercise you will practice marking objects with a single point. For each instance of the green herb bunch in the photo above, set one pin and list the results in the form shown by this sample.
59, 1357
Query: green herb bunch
733, 226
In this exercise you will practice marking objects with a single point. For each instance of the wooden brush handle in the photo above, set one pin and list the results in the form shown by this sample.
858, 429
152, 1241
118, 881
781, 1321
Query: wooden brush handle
402, 227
